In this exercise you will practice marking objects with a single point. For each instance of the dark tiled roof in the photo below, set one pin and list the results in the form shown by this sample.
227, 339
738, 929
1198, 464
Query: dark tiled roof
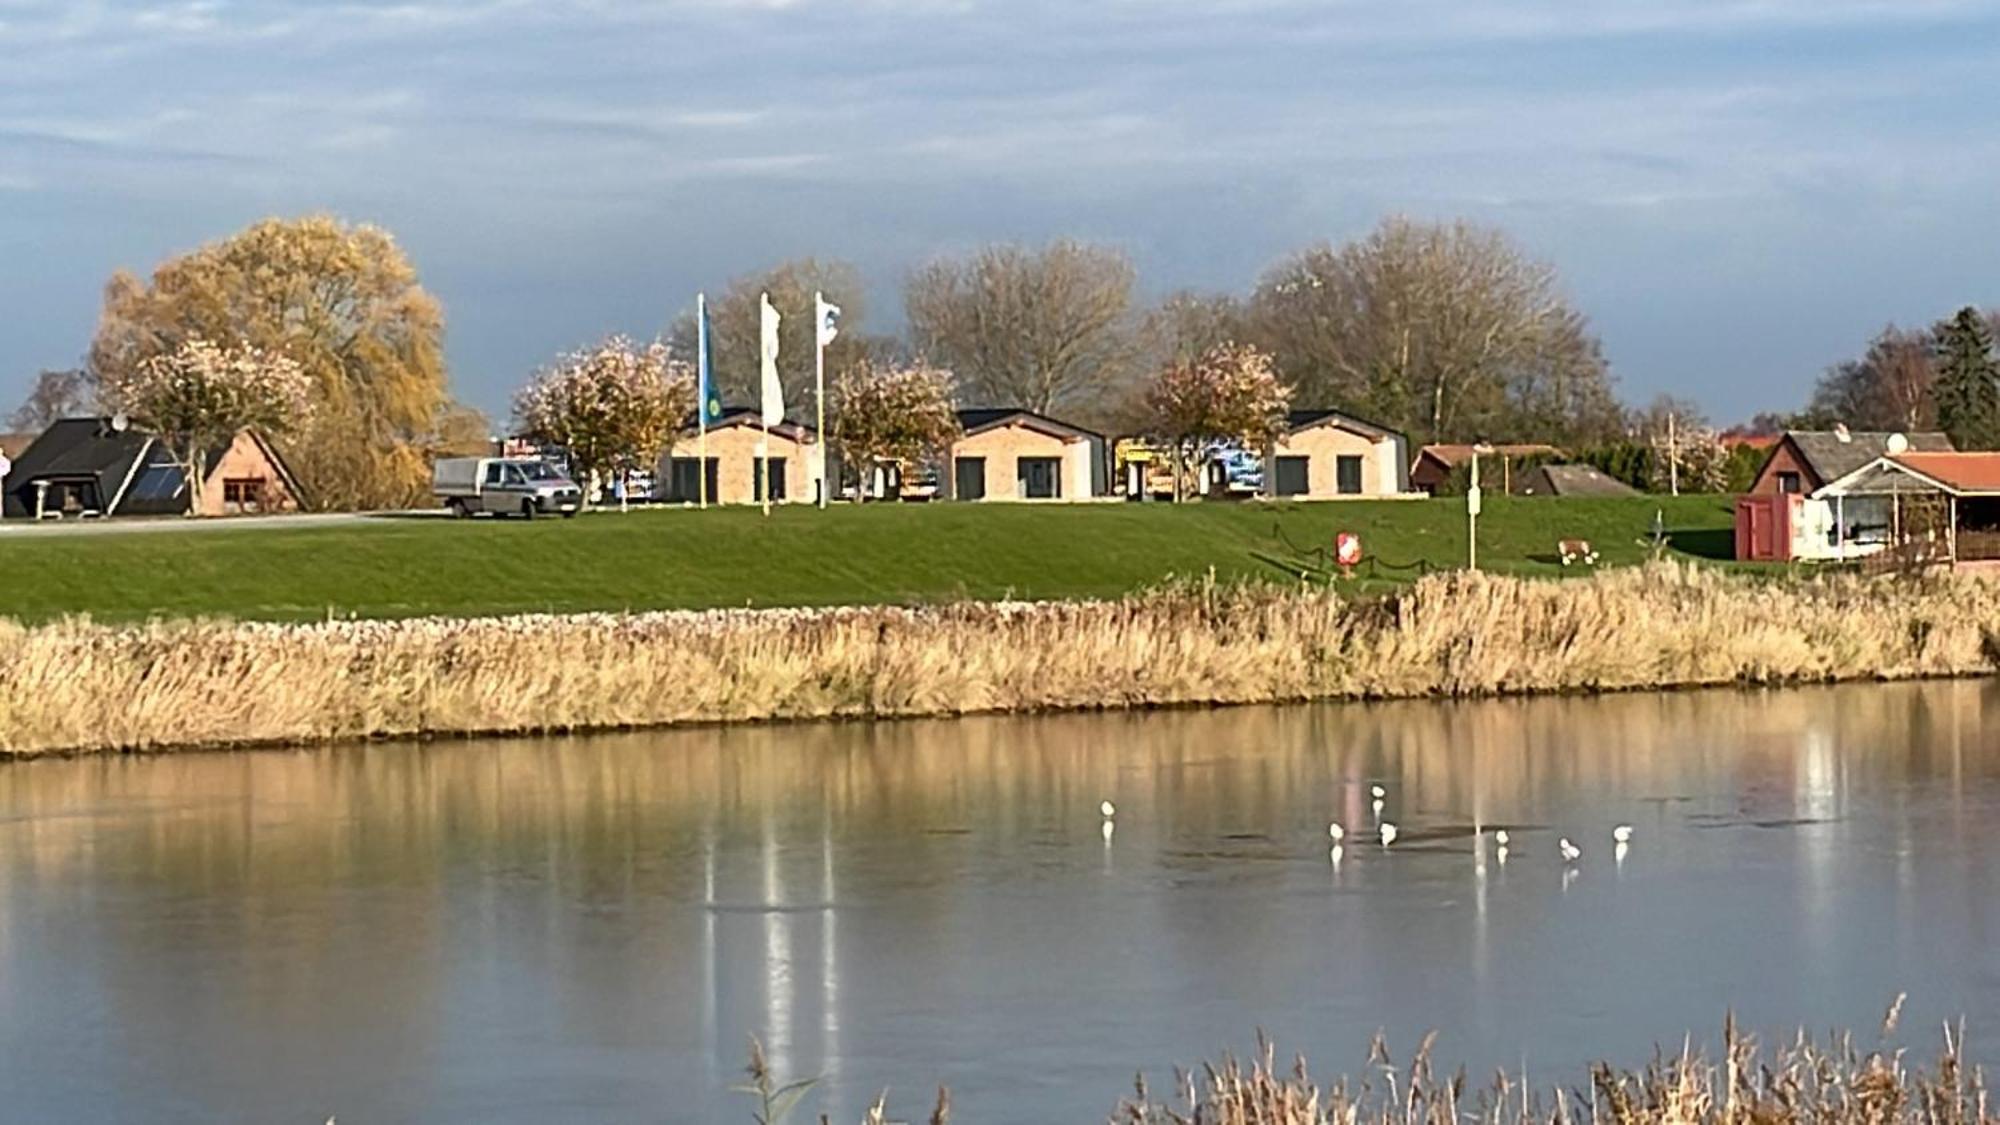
75, 449
1831, 458
1300, 419
748, 416
973, 419
89, 448
1574, 480
1459, 454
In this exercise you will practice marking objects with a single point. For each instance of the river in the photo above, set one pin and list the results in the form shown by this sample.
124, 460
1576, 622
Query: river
590, 928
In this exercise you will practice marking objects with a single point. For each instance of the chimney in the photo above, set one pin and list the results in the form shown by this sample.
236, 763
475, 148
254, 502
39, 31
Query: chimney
1840, 433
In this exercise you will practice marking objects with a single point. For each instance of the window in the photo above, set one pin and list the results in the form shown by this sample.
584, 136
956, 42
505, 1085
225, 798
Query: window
777, 465
968, 478
244, 495
1788, 482
1039, 478
1347, 474
157, 481
684, 479
496, 473
1293, 476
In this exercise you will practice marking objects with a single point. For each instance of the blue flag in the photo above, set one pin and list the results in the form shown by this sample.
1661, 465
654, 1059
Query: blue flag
711, 399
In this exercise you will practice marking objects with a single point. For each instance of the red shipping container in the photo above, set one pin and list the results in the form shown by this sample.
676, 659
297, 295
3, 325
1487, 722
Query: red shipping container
1764, 526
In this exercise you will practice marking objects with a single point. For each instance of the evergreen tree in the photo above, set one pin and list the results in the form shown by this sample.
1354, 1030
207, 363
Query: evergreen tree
1968, 381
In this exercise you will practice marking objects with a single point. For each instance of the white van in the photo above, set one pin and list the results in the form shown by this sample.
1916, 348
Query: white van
504, 486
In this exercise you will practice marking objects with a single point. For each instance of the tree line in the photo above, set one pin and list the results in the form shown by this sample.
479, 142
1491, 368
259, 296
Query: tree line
1940, 377
1447, 331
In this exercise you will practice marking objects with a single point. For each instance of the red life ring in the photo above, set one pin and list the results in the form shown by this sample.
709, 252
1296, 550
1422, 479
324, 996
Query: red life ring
1347, 549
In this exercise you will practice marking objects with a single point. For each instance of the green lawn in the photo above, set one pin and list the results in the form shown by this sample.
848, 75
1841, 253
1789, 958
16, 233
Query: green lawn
677, 558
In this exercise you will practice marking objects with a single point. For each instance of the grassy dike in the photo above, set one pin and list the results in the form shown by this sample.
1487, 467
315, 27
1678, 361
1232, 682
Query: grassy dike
73, 685
851, 555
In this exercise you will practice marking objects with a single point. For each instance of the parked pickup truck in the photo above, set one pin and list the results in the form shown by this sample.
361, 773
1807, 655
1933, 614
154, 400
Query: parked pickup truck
504, 486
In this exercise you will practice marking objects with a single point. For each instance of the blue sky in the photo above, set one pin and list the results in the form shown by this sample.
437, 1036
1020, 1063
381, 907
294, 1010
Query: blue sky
1737, 194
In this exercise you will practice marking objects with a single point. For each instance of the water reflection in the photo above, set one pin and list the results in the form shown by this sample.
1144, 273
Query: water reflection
593, 927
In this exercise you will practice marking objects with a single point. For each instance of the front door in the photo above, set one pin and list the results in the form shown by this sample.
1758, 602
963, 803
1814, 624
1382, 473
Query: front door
1039, 478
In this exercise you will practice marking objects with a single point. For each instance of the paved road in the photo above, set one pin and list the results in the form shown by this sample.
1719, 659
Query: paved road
13, 528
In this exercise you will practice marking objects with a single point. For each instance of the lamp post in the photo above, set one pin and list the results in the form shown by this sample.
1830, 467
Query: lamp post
1472, 501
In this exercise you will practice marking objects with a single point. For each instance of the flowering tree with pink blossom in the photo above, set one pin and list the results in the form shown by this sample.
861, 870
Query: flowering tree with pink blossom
1230, 394
896, 414
614, 407
197, 397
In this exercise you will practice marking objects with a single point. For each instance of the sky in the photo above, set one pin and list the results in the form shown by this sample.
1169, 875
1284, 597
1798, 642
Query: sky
1737, 194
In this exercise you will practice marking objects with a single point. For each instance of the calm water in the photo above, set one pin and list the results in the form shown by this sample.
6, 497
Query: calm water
588, 929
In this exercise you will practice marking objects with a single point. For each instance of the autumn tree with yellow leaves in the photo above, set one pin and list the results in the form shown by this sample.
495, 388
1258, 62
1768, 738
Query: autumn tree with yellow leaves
341, 301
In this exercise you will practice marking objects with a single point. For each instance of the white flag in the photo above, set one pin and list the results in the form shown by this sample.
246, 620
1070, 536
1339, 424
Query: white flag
774, 392
828, 318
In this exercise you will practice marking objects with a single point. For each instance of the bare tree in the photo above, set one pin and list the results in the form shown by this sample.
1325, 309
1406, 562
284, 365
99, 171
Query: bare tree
55, 396
1442, 328
1887, 388
1033, 328
733, 318
1663, 413
1186, 326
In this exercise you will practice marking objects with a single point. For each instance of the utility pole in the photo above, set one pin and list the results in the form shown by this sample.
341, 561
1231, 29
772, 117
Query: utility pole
1673, 458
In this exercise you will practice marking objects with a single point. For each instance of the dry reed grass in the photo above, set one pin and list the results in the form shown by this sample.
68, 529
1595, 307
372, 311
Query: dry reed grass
1802, 1082
78, 686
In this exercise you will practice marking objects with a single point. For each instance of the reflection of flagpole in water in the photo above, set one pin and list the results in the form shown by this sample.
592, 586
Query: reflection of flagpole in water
711, 987
829, 964
777, 960
1478, 879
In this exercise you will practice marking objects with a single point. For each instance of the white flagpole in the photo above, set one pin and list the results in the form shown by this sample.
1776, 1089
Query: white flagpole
819, 387
702, 391
768, 347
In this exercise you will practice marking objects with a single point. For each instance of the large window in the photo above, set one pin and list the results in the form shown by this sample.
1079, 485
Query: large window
777, 469
1039, 478
1347, 475
968, 478
157, 481
684, 479
1294, 476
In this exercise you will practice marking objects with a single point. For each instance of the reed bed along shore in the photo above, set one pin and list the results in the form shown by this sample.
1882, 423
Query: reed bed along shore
75, 685
1802, 1081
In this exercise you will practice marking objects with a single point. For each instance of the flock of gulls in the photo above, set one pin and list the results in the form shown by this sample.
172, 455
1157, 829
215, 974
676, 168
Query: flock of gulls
1621, 836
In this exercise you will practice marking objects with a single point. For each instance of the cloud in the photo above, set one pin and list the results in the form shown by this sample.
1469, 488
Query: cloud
522, 144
